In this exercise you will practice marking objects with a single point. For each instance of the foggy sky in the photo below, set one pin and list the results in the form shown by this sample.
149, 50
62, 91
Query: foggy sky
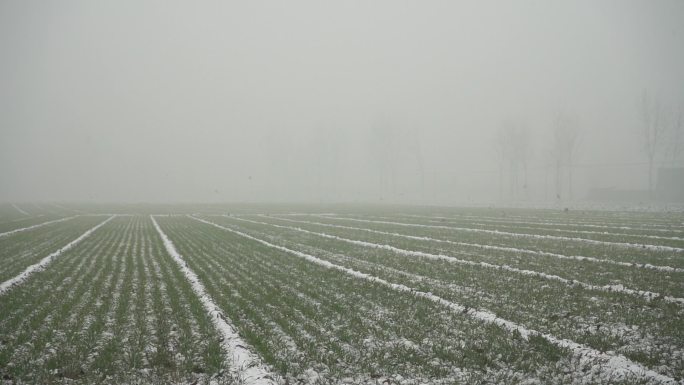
318, 101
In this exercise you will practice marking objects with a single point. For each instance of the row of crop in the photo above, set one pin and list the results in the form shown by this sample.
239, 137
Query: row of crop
603, 271
9, 212
18, 223
182, 324
21, 212
23, 249
616, 218
672, 237
61, 297
603, 239
631, 253
121, 330
634, 226
409, 335
108, 308
252, 283
603, 320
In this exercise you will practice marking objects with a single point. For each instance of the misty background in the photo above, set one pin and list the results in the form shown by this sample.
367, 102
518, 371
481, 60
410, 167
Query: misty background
422, 102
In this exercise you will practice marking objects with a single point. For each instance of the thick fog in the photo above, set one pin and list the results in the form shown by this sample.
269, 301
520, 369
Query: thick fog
424, 102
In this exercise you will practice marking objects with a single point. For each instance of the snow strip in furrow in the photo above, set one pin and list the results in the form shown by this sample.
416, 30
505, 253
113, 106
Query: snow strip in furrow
58, 206
518, 235
614, 221
547, 224
35, 226
557, 230
20, 209
22, 219
241, 359
5, 286
511, 220
490, 247
108, 214
649, 295
617, 366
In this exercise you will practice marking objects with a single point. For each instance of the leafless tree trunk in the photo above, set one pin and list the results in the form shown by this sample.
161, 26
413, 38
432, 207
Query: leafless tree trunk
500, 180
546, 182
566, 140
558, 179
676, 137
501, 148
548, 164
651, 115
414, 145
513, 145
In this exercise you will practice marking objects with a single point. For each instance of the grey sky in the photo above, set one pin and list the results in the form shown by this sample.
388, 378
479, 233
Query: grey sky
320, 101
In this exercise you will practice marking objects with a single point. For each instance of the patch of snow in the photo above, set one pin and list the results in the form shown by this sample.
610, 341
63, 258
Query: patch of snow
5, 286
556, 229
517, 235
615, 366
498, 248
20, 209
649, 295
242, 361
510, 220
35, 226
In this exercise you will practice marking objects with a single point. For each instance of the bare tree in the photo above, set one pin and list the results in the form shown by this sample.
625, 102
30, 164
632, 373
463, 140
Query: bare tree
549, 161
383, 143
652, 130
675, 139
512, 145
501, 148
414, 147
324, 147
566, 140
521, 146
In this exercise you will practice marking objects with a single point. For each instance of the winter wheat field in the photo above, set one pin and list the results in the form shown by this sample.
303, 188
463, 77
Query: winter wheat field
354, 295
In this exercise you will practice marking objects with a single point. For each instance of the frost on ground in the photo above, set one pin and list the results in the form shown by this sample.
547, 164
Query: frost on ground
5, 286
241, 359
518, 235
34, 226
113, 309
615, 367
289, 299
609, 288
19, 209
492, 247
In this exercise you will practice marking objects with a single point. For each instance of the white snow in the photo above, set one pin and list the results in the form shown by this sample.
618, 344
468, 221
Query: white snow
616, 366
555, 228
5, 286
35, 226
498, 248
23, 219
512, 220
519, 235
241, 359
20, 209
607, 288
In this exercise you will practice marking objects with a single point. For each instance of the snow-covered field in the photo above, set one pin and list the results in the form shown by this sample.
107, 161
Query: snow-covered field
352, 295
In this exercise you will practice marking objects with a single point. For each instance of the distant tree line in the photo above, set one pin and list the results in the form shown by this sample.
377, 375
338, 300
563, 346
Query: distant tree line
661, 137
514, 146
661, 134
